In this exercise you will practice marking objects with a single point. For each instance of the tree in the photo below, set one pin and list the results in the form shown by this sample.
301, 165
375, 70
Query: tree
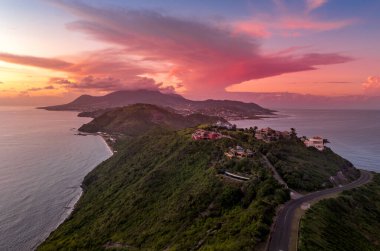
293, 132
255, 130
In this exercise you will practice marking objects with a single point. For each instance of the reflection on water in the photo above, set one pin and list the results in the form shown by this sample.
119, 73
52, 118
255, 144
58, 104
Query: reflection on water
42, 164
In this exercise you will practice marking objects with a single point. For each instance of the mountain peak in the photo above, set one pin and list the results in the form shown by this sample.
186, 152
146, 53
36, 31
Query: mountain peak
223, 108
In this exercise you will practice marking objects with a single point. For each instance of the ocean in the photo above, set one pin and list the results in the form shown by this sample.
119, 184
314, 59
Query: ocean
354, 134
42, 164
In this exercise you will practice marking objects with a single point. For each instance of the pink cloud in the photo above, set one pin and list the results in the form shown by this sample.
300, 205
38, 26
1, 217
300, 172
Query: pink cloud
254, 28
372, 85
287, 26
204, 58
292, 23
49, 63
314, 4
108, 84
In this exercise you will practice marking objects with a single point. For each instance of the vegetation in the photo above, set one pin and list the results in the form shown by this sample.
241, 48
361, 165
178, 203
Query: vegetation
136, 119
162, 192
227, 108
349, 222
307, 169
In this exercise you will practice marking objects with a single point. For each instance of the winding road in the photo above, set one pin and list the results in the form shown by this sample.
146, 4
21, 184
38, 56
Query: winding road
280, 237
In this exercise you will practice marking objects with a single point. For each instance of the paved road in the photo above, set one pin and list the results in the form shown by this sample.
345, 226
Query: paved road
280, 237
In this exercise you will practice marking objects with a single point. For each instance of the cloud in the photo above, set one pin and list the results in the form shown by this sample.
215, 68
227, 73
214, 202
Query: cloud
49, 63
201, 56
286, 23
253, 27
372, 85
35, 89
205, 57
288, 26
296, 23
1, 82
314, 4
334, 82
108, 84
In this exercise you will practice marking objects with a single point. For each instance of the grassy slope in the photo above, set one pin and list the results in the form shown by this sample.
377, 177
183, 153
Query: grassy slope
136, 119
307, 169
349, 222
161, 193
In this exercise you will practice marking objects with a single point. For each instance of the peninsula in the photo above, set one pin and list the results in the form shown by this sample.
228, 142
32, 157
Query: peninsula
190, 182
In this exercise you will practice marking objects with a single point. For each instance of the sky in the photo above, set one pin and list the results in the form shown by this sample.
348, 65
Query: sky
52, 51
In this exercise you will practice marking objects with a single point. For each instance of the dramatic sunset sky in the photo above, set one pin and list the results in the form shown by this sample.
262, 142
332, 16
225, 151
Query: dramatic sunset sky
53, 51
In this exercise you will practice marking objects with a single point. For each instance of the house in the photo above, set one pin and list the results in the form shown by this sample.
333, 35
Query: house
201, 134
316, 142
270, 135
239, 152
249, 153
225, 125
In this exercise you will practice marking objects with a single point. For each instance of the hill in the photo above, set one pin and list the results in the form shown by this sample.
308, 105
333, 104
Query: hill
223, 108
162, 192
349, 222
139, 118
307, 169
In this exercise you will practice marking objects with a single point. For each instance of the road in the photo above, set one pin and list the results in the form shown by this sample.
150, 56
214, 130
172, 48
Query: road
280, 238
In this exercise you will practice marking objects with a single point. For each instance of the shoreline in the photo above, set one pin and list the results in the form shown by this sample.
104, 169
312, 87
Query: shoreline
70, 207
110, 148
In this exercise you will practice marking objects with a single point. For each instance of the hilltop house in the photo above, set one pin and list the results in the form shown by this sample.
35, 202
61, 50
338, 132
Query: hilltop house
239, 152
270, 135
316, 142
225, 125
201, 134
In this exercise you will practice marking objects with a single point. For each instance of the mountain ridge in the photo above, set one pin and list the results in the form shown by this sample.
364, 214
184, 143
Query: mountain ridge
228, 109
138, 118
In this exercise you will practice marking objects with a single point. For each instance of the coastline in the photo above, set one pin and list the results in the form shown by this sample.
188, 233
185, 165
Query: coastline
110, 148
70, 207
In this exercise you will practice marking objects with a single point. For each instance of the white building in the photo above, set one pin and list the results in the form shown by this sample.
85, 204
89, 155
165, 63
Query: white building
226, 125
316, 142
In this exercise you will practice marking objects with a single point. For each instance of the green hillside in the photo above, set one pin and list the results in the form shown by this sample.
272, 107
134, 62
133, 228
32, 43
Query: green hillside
162, 192
307, 169
139, 118
349, 222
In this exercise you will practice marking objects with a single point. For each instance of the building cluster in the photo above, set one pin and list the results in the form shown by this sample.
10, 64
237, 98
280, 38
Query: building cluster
316, 142
270, 135
201, 134
224, 125
239, 152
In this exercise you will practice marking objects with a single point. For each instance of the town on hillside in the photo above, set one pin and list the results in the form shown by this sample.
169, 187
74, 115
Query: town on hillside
266, 135
236, 153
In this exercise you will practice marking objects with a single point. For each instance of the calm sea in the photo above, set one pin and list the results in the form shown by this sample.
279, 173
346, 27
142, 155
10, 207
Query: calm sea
42, 164
42, 161
354, 134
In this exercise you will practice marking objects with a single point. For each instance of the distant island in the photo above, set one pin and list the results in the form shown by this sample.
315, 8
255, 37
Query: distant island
93, 106
192, 182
